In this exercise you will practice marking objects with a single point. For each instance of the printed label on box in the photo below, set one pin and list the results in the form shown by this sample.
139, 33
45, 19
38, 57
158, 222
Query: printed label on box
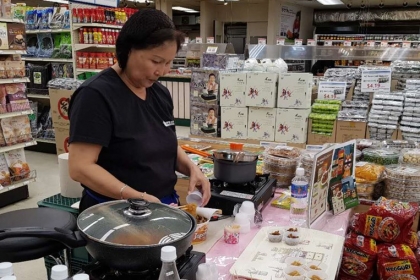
261, 123
292, 125
232, 89
261, 90
234, 123
294, 91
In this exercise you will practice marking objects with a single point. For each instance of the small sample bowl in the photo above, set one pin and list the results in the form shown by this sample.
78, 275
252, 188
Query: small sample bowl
296, 262
291, 269
273, 236
291, 239
321, 266
320, 274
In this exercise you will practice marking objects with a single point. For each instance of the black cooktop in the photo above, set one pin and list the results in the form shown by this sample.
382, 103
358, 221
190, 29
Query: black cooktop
224, 196
187, 267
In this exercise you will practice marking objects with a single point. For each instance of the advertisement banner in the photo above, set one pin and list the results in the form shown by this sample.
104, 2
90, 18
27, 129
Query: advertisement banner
290, 22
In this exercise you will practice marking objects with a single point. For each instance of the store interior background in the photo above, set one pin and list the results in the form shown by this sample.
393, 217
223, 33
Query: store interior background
241, 23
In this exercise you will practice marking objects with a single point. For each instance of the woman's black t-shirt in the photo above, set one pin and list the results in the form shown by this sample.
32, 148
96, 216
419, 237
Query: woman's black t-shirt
138, 138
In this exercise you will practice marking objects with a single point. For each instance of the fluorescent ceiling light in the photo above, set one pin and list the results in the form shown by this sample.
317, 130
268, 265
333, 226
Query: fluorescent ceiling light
228, 0
183, 9
330, 2
58, 1
139, 1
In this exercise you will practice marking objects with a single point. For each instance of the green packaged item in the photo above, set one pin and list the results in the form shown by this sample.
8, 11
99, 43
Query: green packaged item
381, 156
337, 102
283, 201
323, 126
325, 117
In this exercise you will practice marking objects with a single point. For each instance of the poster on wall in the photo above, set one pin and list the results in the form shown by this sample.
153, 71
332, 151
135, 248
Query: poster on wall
332, 181
290, 22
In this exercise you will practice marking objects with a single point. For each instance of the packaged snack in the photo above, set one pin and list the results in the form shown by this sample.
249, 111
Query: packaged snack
397, 262
369, 173
381, 156
18, 166
21, 129
412, 240
386, 220
4, 172
8, 131
359, 257
283, 201
411, 156
16, 94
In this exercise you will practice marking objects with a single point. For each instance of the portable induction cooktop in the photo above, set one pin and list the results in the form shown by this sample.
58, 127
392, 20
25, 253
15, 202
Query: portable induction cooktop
225, 196
187, 267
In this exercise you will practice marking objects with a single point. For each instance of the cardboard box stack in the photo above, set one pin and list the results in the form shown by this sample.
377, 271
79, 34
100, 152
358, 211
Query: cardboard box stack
322, 123
293, 107
352, 121
410, 122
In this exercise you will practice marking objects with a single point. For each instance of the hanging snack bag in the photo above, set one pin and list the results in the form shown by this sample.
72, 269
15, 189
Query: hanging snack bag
359, 257
18, 166
412, 240
397, 262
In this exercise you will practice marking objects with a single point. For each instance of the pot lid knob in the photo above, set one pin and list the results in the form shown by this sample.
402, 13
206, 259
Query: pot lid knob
138, 208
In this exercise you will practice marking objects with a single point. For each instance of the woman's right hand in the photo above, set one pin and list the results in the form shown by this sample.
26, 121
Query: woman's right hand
151, 198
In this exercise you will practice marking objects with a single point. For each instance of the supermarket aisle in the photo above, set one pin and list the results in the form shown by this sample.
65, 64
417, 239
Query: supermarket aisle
47, 184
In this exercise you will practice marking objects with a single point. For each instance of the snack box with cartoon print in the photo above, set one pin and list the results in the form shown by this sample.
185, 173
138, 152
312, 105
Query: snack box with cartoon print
295, 90
292, 125
261, 123
261, 90
234, 123
232, 89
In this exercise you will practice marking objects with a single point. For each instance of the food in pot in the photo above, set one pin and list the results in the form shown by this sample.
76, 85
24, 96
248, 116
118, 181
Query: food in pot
294, 273
397, 261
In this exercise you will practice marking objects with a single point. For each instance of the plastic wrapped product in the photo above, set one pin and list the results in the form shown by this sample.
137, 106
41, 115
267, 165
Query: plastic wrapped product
397, 262
381, 156
369, 173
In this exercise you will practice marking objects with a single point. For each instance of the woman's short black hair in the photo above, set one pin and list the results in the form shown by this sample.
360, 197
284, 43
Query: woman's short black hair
212, 75
146, 29
211, 109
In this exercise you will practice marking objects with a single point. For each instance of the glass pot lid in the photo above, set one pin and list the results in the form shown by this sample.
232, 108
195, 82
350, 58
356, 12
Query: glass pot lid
134, 222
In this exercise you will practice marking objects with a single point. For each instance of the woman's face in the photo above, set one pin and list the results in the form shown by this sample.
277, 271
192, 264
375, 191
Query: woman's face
212, 79
145, 67
211, 114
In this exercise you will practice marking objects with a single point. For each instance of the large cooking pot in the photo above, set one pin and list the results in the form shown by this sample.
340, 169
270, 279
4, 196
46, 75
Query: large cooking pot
126, 235
235, 166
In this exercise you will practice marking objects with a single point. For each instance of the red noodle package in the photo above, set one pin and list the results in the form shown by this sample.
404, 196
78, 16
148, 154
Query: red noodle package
412, 240
396, 262
387, 220
359, 257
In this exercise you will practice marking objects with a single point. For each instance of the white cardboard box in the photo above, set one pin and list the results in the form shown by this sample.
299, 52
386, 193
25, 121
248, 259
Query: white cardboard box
261, 123
261, 90
295, 90
234, 123
292, 125
232, 89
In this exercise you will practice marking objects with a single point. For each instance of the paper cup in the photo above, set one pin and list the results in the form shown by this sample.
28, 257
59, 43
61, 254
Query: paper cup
196, 197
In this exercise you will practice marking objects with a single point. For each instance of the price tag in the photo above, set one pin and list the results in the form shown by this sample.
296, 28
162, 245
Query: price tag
311, 42
332, 90
186, 40
210, 40
17, 80
376, 80
199, 40
347, 43
271, 144
280, 42
19, 52
195, 93
314, 147
384, 44
262, 41
406, 45
298, 42
211, 49
328, 43
371, 43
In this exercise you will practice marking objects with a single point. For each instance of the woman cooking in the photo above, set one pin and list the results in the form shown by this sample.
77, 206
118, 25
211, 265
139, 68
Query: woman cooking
122, 140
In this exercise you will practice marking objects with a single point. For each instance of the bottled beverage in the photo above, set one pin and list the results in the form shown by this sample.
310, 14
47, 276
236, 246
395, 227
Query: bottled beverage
169, 270
6, 269
299, 190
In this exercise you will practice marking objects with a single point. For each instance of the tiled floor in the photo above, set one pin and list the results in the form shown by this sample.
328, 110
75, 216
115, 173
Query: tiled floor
47, 184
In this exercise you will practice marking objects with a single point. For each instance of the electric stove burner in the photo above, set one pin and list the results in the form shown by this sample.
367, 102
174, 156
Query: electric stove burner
187, 267
224, 195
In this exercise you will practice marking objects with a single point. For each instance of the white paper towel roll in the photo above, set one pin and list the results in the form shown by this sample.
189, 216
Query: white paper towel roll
68, 187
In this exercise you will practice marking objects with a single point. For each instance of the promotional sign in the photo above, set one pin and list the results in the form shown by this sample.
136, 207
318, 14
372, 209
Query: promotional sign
290, 22
371, 43
211, 49
298, 42
311, 42
199, 40
328, 43
332, 90
384, 44
406, 45
347, 43
210, 40
333, 181
262, 41
280, 42
376, 80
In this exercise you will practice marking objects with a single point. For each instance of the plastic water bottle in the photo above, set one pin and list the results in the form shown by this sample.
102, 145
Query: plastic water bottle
6, 269
169, 270
299, 190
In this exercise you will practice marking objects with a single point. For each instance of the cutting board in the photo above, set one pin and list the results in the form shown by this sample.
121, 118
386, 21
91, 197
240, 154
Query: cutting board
263, 260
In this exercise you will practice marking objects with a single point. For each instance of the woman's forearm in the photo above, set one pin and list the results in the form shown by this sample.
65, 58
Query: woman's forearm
183, 162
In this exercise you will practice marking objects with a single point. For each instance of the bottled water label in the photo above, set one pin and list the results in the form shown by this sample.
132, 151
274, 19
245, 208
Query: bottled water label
299, 190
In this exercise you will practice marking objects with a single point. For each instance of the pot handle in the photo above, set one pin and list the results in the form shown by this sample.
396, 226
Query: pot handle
69, 238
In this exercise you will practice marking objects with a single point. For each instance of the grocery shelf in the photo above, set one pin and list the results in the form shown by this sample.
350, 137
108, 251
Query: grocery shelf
45, 141
95, 25
14, 80
47, 59
39, 96
38, 31
80, 70
8, 52
18, 184
11, 20
14, 114
78, 47
17, 146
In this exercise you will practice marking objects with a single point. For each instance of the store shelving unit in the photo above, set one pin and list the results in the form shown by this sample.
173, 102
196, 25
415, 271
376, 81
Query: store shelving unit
40, 31
80, 47
38, 96
14, 80
77, 26
41, 59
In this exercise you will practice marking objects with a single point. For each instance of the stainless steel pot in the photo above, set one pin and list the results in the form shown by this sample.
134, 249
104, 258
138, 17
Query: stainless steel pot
125, 235
235, 156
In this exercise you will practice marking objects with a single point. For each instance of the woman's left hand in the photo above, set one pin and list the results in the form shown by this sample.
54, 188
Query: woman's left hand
199, 181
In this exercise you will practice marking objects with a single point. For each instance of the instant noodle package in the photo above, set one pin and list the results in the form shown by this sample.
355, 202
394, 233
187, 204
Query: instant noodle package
397, 262
359, 258
386, 221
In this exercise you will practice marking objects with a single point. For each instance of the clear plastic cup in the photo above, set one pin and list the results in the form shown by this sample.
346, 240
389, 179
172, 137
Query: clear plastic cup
196, 197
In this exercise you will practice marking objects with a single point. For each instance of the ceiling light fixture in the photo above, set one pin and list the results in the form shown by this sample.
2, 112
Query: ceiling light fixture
58, 1
228, 0
183, 9
330, 2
